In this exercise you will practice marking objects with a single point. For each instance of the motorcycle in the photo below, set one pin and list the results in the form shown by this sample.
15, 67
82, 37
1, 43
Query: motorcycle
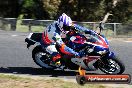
95, 49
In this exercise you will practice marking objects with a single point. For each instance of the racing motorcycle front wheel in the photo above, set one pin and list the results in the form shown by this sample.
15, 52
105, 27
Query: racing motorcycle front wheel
41, 58
111, 66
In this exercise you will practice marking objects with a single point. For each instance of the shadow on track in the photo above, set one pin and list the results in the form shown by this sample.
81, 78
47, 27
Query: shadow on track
38, 71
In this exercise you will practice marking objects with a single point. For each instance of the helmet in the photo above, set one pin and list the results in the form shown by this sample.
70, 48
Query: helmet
64, 22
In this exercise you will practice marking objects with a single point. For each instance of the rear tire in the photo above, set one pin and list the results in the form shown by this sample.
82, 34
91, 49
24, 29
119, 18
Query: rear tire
40, 58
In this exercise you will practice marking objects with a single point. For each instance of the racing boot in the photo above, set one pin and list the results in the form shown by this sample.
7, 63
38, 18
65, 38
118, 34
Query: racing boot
56, 61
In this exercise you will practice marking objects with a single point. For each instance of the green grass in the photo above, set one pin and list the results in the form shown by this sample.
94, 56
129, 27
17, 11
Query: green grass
25, 28
13, 81
12, 77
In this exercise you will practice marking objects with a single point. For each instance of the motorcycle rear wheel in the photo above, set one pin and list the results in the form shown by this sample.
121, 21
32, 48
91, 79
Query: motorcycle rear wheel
41, 58
112, 66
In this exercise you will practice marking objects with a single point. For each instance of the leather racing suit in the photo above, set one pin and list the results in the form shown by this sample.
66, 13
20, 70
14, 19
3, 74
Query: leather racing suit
52, 35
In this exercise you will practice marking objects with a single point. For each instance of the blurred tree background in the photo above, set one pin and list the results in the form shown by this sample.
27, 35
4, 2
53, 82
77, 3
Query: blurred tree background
78, 10
9, 8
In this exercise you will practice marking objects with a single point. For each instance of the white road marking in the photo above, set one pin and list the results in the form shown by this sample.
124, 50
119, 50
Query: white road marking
14, 35
128, 41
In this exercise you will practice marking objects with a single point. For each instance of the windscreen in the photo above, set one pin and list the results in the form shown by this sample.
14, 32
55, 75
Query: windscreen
93, 38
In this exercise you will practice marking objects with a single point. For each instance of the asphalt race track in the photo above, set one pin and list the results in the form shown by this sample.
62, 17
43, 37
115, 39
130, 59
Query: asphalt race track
16, 58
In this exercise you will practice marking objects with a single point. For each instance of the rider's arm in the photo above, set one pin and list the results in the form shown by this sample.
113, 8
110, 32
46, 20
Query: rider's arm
64, 49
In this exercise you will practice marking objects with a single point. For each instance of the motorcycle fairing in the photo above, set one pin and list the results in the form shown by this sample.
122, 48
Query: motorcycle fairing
109, 55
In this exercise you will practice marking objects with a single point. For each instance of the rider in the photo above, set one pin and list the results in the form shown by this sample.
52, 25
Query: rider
53, 35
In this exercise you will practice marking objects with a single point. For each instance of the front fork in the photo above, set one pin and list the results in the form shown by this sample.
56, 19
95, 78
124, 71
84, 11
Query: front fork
104, 60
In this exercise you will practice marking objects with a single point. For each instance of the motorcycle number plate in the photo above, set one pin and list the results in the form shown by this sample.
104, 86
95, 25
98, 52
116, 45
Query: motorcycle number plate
29, 36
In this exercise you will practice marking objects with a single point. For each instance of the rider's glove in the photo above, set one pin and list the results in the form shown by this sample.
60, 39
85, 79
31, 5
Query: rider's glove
77, 54
80, 54
87, 32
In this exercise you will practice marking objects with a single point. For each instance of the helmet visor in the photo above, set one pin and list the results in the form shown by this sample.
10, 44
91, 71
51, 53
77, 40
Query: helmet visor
66, 28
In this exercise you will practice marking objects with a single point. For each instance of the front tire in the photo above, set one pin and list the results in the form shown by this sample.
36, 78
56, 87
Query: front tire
112, 66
